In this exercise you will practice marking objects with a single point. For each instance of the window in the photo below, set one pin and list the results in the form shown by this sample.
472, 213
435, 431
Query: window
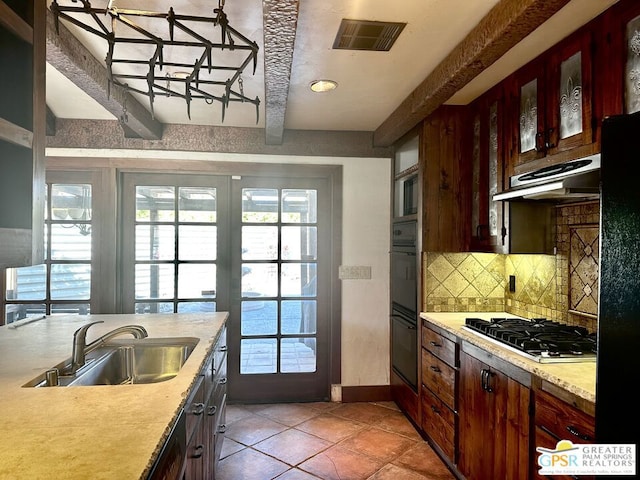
62, 285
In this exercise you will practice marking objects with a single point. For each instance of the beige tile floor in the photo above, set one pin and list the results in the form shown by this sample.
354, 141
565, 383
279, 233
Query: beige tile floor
329, 441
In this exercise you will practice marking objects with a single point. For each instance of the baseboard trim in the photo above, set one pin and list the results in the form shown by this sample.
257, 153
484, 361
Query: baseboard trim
370, 393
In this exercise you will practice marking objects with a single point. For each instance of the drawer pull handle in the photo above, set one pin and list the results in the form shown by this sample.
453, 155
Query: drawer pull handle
435, 344
576, 433
435, 369
198, 409
223, 348
212, 410
198, 451
222, 428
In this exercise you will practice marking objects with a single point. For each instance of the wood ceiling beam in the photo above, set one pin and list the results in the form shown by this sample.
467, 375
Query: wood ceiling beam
73, 60
280, 23
509, 22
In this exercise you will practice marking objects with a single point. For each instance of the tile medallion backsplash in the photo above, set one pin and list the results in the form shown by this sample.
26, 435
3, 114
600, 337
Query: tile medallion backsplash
584, 256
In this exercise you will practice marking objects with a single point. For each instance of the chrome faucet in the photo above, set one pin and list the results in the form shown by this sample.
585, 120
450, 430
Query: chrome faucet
81, 349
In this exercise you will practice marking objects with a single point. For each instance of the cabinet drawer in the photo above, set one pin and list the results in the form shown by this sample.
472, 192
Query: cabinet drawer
562, 420
438, 422
194, 408
544, 439
440, 346
439, 377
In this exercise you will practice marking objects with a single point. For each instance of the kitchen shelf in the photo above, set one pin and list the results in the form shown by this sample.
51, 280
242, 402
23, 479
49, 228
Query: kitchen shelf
13, 22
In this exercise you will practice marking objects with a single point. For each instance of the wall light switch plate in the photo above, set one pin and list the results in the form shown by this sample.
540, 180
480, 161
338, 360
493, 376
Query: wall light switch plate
350, 272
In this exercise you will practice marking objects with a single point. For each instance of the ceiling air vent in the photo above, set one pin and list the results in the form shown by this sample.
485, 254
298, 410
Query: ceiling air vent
367, 35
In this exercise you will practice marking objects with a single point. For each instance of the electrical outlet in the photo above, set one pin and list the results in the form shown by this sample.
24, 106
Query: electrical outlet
351, 272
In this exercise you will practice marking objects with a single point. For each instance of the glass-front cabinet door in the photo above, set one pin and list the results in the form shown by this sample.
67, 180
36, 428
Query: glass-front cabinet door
632, 66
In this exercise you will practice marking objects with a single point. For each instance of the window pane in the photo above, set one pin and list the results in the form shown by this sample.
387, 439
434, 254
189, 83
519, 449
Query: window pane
196, 280
15, 312
258, 355
71, 202
298, 355
299, 206
154, 281
259, 205
27, 283
197, 242
155, 242
71, 309
155, 204
197, 204
299, 280
298, 316
196, 307
70, 242
259, 243
299, 243
154, 307
70, 282
259, 317
259, 279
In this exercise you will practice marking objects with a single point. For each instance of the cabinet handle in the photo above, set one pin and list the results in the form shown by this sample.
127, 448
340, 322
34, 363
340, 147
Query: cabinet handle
540, 143
435, 344
198, 409
223, 348
222, 381
212, 410
486, 377
435, 369
435, 409
198, 451
576, 433
222, 428
547, 140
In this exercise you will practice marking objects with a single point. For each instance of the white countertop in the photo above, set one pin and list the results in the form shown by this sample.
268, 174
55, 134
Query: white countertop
577, 378
89, 432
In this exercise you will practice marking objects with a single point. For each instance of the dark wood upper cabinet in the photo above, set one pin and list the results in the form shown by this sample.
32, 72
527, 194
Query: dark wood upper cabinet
489, 147
552, 104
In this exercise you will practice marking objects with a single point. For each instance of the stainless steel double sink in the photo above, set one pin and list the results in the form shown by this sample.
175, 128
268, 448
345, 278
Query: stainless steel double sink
122, 362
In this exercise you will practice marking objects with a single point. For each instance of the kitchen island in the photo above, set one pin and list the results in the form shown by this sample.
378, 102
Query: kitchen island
578, 379
90, 432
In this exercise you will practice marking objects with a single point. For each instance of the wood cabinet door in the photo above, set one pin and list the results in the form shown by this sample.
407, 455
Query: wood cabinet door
527, 116
569, 98
494, 423
489, 144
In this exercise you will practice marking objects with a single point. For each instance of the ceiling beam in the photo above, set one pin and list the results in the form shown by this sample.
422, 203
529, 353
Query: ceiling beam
509, 22
72, 59
280, 22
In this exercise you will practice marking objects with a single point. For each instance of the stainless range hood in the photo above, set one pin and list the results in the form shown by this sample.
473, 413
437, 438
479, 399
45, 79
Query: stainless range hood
569, 181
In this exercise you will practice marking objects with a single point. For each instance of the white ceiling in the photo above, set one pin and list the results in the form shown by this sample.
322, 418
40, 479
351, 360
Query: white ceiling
371, 85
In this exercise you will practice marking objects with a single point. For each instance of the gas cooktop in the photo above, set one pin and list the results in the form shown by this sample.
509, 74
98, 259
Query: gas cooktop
538, 339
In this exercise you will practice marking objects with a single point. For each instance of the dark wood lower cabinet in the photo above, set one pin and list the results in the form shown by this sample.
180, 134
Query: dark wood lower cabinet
494, 419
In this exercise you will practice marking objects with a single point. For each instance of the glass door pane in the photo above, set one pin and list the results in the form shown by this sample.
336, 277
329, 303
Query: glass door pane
172, 221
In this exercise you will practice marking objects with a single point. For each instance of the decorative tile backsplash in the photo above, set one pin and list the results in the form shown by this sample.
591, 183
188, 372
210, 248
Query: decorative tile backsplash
562, 287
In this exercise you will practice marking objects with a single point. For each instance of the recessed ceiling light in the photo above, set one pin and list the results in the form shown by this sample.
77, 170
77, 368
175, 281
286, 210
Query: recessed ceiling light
323, 85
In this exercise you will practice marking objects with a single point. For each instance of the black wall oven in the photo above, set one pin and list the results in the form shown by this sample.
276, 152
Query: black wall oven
404, 308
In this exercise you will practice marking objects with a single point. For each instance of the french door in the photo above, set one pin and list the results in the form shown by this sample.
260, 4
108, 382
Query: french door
258, 247
280, 257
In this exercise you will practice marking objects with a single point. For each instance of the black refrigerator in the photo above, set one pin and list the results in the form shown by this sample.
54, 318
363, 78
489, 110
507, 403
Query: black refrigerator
618, 367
